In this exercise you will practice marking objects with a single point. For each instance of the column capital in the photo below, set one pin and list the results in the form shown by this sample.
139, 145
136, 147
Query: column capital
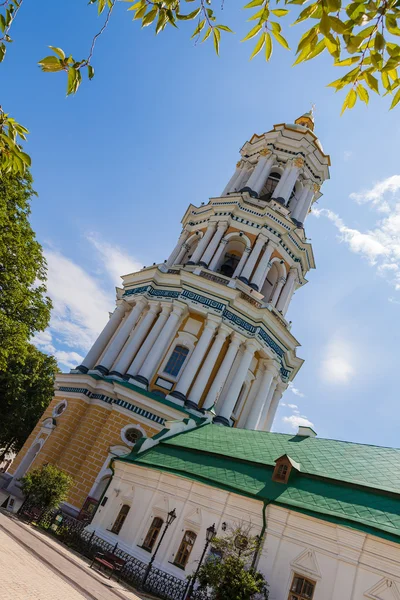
251, 346
282, 280
213, 321
247, 250
154, 305
224, 241
212, 224
224, 331
237, 339
265, 152
178, 308
223, 225
166, 309
123, 305
272, 365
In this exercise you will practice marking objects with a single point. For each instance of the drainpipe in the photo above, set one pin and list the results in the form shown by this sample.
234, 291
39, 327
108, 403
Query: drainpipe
261, 536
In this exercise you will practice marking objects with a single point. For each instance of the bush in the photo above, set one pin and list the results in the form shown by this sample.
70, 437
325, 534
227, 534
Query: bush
46, 486
228, 573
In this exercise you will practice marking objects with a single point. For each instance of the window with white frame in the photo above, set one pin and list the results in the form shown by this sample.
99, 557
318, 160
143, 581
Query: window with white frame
177, 356
302, 588
130, 434
176, 360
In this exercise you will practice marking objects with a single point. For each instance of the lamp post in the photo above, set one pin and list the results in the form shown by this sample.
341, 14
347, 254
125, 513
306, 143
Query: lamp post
210, 534
171, 516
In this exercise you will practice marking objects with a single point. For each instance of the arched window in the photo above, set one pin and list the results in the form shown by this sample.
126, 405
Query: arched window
153, 533
187, 543
270, 186
270, 282
176, 360
120, 520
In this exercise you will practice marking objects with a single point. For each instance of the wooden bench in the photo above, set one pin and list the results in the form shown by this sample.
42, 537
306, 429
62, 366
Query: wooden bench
108, 560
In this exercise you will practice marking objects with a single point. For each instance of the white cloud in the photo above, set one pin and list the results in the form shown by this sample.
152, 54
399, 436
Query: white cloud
293, 406
380, 245
337, 366
295, 391
115, 260
68, 359
81, 301
296, 421
377, 195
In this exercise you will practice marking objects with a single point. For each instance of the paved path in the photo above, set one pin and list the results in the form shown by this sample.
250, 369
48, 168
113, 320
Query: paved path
35, 567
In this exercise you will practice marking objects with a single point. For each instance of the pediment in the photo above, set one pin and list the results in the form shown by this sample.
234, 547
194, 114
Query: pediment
194, 518
385, 589
306, 563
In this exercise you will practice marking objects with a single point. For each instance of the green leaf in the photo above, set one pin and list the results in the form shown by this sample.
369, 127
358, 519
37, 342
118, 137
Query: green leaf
362, 93
334, 5
279, 12
216, 36
58, 51
275, 26
224, 28
355, 10
391, 64
385, 80
90, 71
259, 46
252, 32
254, 3
188, 17
279, 38
2, 52
379, 42
140, 12
2, 23
199, 27
396, 99
371, 81
350, 100
325, 24
337, 25
347, 61
51, 64
149, 18
391, 25
306, 38
161, 21
74, 80
332, 46
207, 34
268, 46
306, 13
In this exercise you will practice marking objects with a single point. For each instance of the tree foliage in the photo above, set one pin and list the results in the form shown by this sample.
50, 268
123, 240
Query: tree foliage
26, 389
46, 486
228, 573
361, 36
24, 308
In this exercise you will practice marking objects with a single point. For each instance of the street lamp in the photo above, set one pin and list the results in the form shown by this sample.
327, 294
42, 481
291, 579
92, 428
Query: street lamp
210, 534
171, 516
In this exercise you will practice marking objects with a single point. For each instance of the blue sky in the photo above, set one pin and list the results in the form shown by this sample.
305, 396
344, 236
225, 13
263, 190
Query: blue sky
160, 126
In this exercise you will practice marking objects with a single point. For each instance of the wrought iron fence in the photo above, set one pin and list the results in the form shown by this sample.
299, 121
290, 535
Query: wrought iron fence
72, 532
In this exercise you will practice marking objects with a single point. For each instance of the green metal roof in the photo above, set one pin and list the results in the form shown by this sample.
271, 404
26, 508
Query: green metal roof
354, 484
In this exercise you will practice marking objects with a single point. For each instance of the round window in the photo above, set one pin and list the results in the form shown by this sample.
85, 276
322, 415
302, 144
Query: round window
59, 409
132, 435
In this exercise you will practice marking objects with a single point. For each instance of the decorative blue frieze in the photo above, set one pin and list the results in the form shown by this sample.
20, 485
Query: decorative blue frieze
270, 342
123, 403
163, 293
203, 300
230, 316
134, 291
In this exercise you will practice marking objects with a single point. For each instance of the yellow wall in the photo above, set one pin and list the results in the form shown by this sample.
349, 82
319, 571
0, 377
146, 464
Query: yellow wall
80, 442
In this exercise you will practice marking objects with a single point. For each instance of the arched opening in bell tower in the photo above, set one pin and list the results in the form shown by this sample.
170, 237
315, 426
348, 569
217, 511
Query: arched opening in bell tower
276, 272
235, 247
270, 185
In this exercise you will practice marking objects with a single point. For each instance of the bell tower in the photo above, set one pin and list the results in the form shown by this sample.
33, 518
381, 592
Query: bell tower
206, 329
202, 335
